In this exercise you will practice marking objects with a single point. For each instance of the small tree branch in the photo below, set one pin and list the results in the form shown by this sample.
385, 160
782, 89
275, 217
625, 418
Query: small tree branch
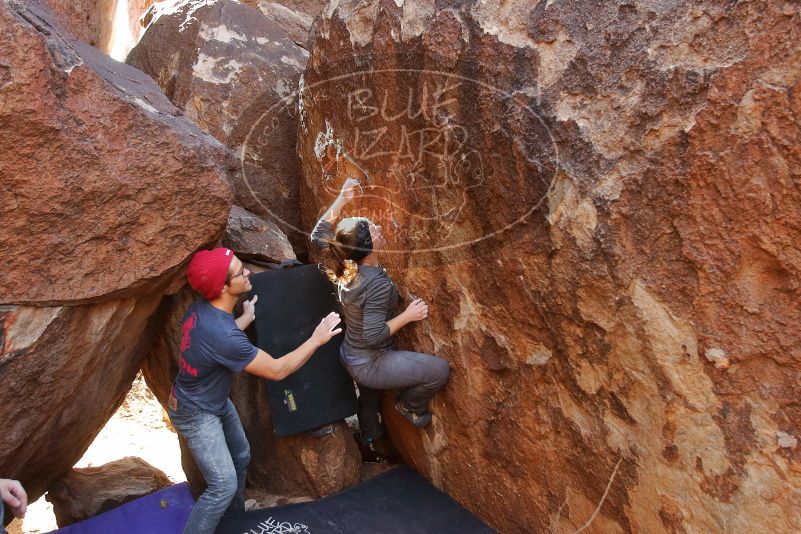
603, 498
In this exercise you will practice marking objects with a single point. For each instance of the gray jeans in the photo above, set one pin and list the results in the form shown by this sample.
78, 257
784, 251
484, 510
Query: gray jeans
417, 375
222, 454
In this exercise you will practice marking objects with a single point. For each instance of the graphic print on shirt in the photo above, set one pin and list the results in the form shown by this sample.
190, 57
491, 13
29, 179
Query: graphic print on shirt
186, 329
186, 342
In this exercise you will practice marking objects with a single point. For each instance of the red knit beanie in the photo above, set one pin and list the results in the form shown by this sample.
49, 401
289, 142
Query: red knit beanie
208, 270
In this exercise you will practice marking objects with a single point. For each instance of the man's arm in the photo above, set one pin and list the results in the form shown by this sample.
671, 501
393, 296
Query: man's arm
266, 366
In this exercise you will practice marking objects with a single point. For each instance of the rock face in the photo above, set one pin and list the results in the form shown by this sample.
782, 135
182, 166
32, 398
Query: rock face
90, 21
89, 491
137, 10
105, 193
63, 373
93, 22
234, 72
254, 238
300, 465
296, 24
601, 207
310, 8
106, 186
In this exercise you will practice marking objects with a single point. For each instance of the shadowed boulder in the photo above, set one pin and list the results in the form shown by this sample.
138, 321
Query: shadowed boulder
89, 491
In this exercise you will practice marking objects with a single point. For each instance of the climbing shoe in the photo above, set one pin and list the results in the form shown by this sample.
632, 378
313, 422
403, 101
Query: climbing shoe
382, 446
417, 419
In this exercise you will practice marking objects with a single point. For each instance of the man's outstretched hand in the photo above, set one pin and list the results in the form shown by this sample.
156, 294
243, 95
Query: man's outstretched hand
249, 308
248, 313
325, 330
14, 496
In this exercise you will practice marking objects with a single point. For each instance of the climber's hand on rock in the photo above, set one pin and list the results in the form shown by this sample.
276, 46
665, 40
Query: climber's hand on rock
249, 309
14, 496
326, 329
417, 310
349, 189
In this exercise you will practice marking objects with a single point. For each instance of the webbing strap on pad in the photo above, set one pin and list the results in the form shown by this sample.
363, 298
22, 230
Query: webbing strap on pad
290, 306
396, 502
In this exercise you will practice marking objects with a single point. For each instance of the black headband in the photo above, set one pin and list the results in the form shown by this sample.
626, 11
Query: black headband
364, 241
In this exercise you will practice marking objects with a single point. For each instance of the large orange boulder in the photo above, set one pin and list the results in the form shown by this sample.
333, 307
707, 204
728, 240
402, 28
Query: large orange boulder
63, 373
106, 191
600, 204
234, 73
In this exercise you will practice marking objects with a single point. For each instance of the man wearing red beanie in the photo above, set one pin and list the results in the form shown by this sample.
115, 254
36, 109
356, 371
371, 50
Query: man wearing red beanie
213, 349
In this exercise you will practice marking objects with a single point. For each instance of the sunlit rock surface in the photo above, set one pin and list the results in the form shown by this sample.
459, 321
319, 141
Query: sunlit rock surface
601, 205
234, 73
106, 189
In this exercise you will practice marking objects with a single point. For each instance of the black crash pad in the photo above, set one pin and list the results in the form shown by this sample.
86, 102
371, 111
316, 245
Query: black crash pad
396, 502
291, 303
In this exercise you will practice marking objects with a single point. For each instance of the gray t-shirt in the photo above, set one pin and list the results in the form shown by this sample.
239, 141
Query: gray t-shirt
213, 349
367, 304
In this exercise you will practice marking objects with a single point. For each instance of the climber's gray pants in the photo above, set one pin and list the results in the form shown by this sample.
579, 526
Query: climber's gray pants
417, 375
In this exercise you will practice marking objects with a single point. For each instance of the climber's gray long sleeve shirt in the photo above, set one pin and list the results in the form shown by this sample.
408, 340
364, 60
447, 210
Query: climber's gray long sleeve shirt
367, 304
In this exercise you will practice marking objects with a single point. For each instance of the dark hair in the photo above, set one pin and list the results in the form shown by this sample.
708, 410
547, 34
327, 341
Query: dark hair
352, 241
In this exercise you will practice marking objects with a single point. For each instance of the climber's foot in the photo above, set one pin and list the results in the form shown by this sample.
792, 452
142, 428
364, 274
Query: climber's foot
417, 419
383, 447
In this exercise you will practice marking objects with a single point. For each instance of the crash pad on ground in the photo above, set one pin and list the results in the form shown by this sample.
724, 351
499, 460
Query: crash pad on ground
399, 501
162, 512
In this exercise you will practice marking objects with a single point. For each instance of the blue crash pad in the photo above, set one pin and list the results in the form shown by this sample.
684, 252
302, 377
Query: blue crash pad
162, 512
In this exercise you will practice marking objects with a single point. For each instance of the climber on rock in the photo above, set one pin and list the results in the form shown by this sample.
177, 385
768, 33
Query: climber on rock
350, 250
213, 349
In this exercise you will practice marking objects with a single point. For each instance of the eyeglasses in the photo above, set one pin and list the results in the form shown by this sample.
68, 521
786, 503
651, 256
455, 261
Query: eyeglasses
240, 273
